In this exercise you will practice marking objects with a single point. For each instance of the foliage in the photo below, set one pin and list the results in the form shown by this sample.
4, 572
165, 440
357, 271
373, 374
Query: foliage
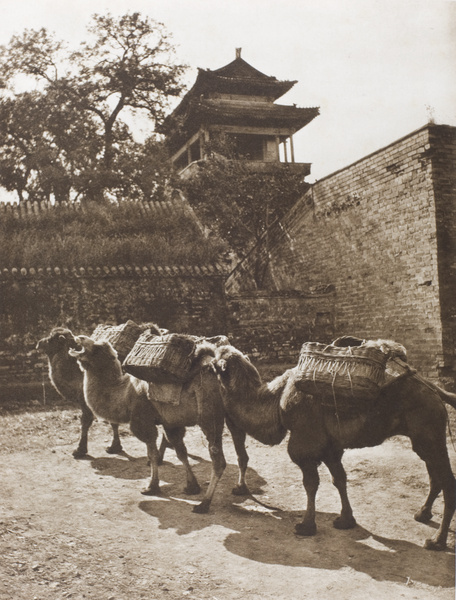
104, 235
69, 134
240, 203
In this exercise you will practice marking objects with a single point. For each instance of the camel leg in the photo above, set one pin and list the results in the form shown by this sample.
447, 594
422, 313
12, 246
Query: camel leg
218, 466
176, 439
424, 515
153, 488
161, 451
116, 445
86, 421
239, 436
311, 481
142, 426
435, 454
339, 478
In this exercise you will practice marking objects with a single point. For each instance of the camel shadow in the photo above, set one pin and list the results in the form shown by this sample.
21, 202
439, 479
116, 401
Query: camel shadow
121, 466
382, 558
126, 466
265, 534
172, 474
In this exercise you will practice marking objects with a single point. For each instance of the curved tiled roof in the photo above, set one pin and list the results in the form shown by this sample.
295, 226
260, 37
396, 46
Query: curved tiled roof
21, 209
238, 77
207, 270
274, 115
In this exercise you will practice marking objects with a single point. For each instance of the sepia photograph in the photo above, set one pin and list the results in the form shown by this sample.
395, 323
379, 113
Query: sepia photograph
228, 300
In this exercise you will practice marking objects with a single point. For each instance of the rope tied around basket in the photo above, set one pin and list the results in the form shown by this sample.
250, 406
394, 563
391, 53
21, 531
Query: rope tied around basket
344, 374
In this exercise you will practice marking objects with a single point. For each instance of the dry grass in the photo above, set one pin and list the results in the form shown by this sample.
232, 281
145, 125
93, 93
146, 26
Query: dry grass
100, 235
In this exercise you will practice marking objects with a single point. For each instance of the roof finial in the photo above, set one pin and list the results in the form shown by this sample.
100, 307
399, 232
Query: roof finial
238, 52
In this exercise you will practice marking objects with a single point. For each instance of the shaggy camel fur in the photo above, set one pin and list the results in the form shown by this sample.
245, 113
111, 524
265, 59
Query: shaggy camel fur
67, 378
409, 406
121, 398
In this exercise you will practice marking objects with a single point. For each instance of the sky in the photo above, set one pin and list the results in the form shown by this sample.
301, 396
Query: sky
378, 69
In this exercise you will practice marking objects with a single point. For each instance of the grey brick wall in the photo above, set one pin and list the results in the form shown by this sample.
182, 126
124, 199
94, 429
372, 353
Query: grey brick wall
382, 232
182, 299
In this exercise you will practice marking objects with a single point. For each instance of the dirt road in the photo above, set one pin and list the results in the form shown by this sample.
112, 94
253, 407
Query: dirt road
81, 529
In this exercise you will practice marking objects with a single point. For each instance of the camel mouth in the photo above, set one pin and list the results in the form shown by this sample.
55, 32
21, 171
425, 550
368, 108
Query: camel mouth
79, 347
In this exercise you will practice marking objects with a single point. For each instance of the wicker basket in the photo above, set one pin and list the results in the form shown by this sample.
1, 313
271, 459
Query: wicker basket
352, 373
161, 359
122, 337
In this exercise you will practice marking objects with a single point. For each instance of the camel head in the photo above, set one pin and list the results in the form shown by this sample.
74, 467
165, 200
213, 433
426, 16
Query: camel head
93, 354
59, 340
234, 369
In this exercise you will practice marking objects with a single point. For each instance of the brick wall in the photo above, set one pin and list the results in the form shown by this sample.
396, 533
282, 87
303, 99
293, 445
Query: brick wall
271, 327
186, 299
442, 153
382, 232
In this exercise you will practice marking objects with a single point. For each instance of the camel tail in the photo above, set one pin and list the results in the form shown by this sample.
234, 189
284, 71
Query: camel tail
446, 397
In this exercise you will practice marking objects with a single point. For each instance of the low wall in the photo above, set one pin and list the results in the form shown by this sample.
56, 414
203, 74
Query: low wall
189, 299
269, 327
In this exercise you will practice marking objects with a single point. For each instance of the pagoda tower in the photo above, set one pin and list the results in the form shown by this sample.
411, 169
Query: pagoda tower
237, 101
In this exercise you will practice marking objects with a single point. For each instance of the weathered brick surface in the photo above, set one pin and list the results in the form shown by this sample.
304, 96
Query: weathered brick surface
272, 327
33, 304
442, 151
383, 232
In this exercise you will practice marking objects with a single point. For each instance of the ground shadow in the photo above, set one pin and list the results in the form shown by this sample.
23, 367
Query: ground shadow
267, 536
172, 474
263, 533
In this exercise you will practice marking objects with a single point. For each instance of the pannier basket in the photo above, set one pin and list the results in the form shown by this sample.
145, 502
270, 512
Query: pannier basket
354, 372
122, 337
161, 359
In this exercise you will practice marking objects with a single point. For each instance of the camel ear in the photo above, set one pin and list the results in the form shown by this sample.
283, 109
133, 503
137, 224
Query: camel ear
221, 365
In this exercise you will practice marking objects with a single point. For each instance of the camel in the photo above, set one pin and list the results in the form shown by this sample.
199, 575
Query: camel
410, 405
121, 398
67, 379
200, 403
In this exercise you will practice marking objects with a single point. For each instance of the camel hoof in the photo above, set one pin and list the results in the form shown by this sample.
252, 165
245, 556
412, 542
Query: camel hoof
424, 515
347, 523
306, 529
114, 449
240, 490
435, 545
79, 453
152, 491
202, 508
192, 489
